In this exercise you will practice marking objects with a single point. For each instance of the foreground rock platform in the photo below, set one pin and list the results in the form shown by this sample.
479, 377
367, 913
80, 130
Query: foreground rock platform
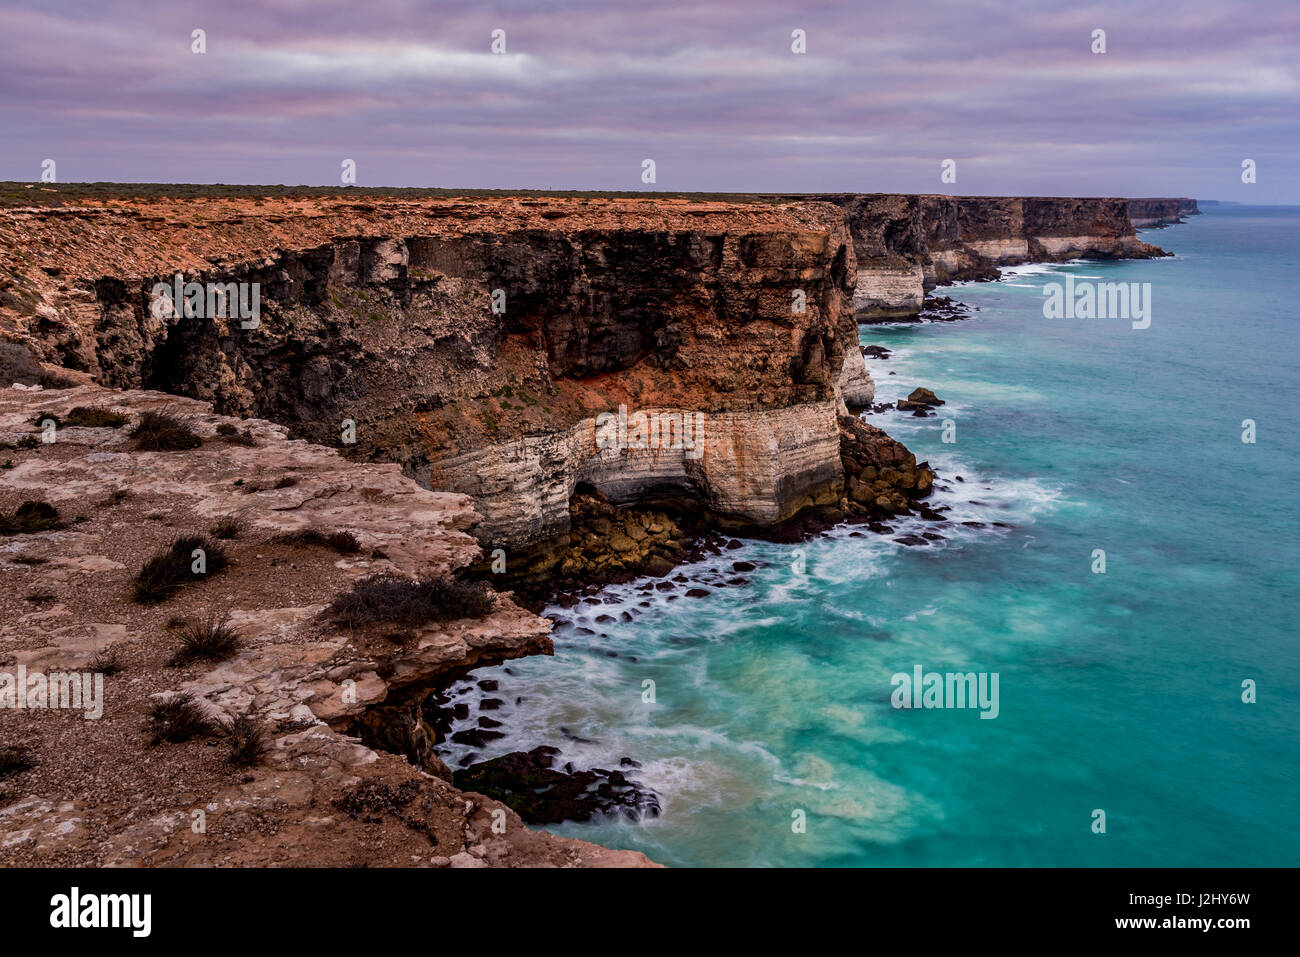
97, 792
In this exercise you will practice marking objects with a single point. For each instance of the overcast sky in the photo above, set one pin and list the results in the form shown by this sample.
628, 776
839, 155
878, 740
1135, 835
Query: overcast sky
586, 90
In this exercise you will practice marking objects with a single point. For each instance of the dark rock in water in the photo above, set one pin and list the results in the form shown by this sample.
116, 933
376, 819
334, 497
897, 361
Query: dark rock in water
973, 524
932, 536
733, 544
665, 586
628, 763
465, 762
573, 737
487, 684
680, 579
460, 711
486, 722
476, 737
911, 540
943, 309
875, 352
959, 478
605, 619
880, 528
541, 794
919, 400
698, 593
490, 704
737, 581
742, 566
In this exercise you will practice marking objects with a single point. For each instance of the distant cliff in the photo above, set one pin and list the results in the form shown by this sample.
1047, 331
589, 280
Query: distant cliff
1146, 213
907, 244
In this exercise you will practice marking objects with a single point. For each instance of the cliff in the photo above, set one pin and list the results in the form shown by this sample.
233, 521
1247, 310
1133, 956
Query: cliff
905, 245
1147, 213
382, 314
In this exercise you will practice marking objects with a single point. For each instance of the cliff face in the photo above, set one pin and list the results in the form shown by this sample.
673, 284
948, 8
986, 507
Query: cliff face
1146, 213
480, 343
906, 245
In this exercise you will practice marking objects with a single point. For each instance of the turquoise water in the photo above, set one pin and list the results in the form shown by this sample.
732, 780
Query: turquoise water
1118, 691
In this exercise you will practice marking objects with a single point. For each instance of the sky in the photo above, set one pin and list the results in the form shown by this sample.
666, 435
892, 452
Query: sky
585, 91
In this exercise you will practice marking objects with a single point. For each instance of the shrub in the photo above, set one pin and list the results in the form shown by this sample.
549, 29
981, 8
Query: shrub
345, 543
211, 639
87, 417
248, 744
228, 527
31, 516
108, 661
171, 568
232, 435
177, 719
165, 432
28, 442
14, 759
391, 598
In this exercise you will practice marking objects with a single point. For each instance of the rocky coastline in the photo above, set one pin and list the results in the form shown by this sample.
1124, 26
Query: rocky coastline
534, 393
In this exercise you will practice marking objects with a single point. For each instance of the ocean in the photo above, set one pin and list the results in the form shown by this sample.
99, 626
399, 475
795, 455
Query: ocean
772, 738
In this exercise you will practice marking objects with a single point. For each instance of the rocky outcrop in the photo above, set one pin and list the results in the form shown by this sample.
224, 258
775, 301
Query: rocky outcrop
98, 792
1148, 213
905, 245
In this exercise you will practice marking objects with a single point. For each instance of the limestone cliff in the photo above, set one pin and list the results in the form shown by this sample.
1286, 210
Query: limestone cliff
478, 343
1147, 213
908, 244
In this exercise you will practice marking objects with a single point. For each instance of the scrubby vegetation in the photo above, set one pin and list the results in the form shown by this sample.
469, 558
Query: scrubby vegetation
169, 569
345, 543
234, 436
248, 742
165, 432
31, 516
178, 719
228, 527
393, 599
209, 639
86, 417
107, 662
14, 759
